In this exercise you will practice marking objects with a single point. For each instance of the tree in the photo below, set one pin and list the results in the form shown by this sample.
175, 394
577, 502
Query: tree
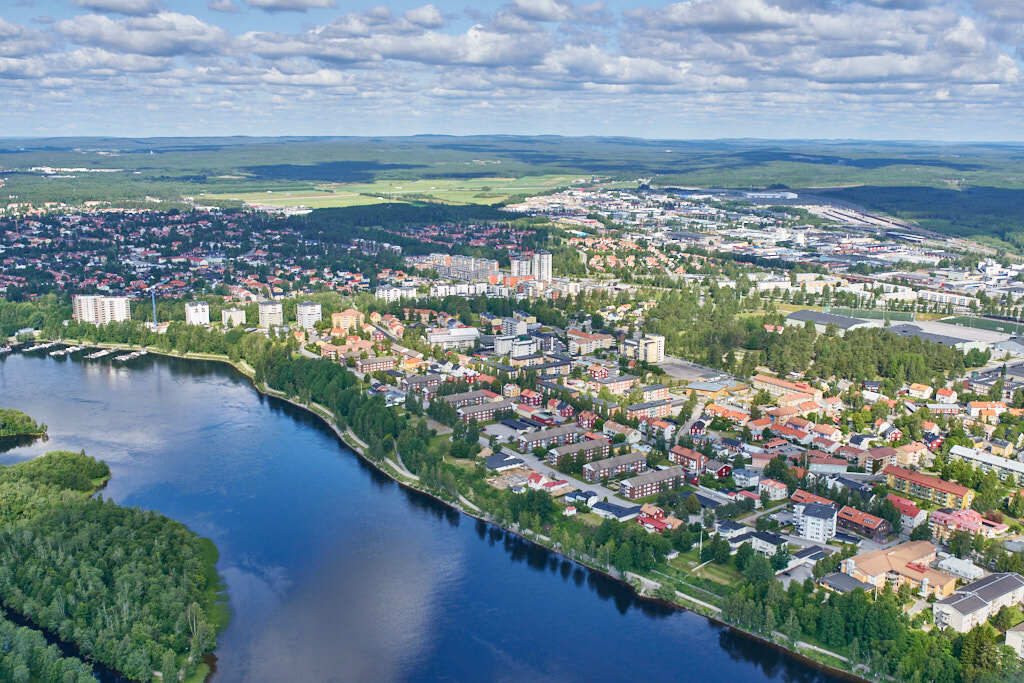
922, 532
781, 558
744, 554
692, 505
961, 543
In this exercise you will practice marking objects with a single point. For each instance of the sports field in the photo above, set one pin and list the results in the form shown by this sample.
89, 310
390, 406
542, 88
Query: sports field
872, 314
449, 190
986, 324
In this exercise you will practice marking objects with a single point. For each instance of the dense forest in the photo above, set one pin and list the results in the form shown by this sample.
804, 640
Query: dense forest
26, 656
130, 588
16, 423
713, 333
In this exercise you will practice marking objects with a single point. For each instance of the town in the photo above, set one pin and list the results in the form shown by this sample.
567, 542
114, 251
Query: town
813, 394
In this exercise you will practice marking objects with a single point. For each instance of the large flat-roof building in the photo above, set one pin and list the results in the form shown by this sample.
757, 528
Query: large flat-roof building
232, 317
308, 314
100, 310
197, 313
271, 314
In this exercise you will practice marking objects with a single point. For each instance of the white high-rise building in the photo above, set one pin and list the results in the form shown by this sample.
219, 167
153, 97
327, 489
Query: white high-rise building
197, 313
100, 310
511, 326
232, 317
521, 266
271, 314
815, 521
308, 314
542, 266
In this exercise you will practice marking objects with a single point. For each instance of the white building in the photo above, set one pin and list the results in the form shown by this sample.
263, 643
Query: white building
815, 521
308, 314
100, 310
987, 461
541, 266
511, 326
1015, 639
271, 314
390, 294
521, 266
451, 338
976, 602
197, 313
232, 317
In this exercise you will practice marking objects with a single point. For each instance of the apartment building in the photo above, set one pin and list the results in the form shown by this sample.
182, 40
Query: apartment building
597, 470
987, 462
926, 487
653, 482
873, 527
308, 314
815, 521
946, 521
232, 317
484, 412
973, 604
346, 320
376, 364
271, 314
197, 313
100, 310
588, 450
558, 436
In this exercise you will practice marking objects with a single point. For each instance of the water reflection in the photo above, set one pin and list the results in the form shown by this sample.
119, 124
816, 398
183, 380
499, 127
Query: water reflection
337, 573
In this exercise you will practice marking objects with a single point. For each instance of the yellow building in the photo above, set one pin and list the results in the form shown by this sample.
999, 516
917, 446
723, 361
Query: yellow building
904, 564
943, 493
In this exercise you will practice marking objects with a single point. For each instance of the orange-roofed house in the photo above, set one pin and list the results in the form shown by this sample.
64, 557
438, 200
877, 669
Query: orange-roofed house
873, 527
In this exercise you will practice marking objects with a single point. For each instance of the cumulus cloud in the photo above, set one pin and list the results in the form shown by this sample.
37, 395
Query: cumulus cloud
222, 6
542, 10
739, 56
162, 34
129, 7
290, 5
426, 16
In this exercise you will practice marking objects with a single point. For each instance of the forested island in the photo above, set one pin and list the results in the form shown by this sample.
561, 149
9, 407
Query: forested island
128, 588
16, 423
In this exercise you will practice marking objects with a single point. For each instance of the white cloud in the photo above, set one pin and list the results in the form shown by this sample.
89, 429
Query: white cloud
290, 5
426, 16
129, 7
222, 6
543, 10
162, 34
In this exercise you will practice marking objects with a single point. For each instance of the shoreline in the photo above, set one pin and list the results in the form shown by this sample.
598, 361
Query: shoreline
242, 368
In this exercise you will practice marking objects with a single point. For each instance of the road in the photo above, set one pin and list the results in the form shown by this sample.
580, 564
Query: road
539, 465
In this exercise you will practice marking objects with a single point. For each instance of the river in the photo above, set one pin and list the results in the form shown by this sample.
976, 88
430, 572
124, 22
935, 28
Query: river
335, 572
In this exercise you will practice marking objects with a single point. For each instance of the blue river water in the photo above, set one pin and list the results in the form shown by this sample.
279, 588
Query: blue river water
335, 572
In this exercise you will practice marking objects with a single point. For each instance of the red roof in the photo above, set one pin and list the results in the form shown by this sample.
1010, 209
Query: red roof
926, 480
801, 496
860, 518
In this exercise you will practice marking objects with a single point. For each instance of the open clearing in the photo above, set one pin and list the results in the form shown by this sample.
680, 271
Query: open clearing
455, 191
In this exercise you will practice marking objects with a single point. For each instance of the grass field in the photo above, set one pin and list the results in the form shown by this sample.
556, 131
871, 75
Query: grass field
872, 314
449, 190
986, 324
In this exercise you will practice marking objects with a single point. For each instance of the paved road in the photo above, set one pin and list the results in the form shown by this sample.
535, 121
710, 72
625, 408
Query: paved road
539, 465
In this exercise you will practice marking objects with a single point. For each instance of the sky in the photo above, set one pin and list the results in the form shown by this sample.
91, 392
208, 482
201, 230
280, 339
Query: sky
856, 69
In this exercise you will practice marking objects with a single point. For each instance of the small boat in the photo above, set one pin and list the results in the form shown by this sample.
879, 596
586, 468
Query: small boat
98, 354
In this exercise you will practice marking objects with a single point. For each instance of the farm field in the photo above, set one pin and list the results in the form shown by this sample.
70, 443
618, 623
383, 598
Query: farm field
487, 191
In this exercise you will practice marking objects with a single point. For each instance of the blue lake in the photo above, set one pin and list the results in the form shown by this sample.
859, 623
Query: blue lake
335, 572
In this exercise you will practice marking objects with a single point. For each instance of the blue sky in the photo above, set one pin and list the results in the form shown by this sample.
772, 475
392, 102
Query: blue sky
872, 69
